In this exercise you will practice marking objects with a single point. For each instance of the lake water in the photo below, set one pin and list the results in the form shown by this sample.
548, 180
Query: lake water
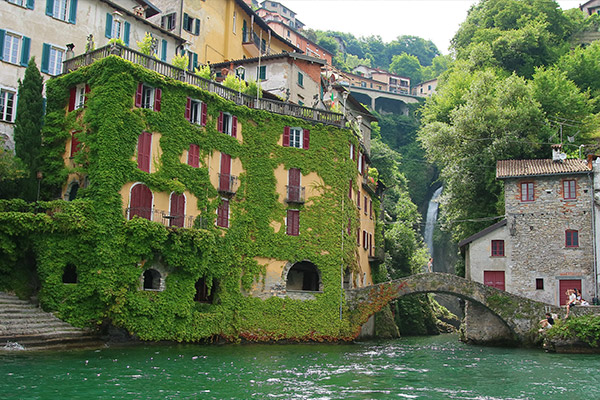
437, 367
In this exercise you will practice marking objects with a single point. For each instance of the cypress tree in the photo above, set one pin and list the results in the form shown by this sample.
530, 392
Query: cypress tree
28, 127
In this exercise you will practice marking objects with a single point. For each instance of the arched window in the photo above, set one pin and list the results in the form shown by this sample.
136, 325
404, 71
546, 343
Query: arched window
72, 191
204, 294
303, 275
151, 279
140, 202
70, 274
177, 210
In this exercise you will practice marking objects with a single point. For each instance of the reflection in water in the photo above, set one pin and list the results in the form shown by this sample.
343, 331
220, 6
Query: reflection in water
412, 368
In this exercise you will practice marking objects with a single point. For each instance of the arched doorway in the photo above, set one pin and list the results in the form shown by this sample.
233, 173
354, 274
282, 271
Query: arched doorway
151, 279
140, 202
303, 275
204, 294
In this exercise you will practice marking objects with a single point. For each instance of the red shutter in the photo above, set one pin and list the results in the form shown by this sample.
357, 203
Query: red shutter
370, 244
157, 98
293, 222
349, 226
306, 139
220, 122
194, 155
177, 211
74, 144
294, 184
223, 214
138, 95
144, 149
188, 109
494, 279
72, 95
358, 199
358, 236
286, 136
365, 244
234, 126
350, 190
141, 202
225, 176
371, 209
365, 203
204, 113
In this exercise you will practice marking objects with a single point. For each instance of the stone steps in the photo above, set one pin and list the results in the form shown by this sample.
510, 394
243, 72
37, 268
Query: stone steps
28, 326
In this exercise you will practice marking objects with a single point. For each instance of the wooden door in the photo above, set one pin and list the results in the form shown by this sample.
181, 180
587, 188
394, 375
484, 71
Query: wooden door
565, 284
225, 176
494, 279
177, 211
141, 202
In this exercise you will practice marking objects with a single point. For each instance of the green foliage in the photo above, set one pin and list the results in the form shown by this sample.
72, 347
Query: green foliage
204, 72
28, 126
146, 45
120, 42
585, 328
582, 67
180, 61
408, 66
233, 82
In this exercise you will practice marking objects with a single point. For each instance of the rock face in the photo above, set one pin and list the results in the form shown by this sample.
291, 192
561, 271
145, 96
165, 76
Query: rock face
25, 326
482, 327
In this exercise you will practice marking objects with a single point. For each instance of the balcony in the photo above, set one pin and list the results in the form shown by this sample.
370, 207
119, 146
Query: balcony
252, 44
369, 184
228, 184
294, 194
164, 218
274, 106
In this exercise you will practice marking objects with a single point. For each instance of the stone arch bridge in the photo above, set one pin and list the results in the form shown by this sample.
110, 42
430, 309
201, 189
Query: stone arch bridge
520, 315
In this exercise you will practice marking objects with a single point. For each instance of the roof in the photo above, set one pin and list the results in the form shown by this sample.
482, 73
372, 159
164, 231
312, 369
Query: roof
518, 168
300, 34
295, 56
481, 233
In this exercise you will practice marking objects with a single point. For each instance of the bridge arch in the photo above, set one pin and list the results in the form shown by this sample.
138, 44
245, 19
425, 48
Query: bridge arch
520, 314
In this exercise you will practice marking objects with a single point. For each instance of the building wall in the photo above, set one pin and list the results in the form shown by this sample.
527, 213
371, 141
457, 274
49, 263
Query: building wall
425, 89
537, 232
480, 257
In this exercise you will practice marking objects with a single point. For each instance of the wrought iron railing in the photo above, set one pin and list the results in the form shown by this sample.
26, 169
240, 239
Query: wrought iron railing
295, 194
228, 183
164, 218
163, 68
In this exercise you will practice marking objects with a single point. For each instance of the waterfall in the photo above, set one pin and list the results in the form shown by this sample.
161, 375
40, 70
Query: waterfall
432, 212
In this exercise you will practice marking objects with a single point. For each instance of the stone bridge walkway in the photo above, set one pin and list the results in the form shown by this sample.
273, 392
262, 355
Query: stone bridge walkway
520, 314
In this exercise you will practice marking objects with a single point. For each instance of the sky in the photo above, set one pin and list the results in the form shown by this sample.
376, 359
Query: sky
435, 20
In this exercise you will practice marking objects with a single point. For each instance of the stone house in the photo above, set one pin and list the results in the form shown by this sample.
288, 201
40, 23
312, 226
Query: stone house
52, 30
547, 241
590, 7
425, 89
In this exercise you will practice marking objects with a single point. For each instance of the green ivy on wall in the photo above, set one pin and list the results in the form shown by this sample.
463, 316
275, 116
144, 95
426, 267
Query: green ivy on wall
111, 253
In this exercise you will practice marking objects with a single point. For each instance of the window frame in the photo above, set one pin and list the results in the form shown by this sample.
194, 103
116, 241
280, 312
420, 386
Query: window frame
169, 21
571, 238
296, 137
528, 195
55, 66
224, 206
497, 248
292, 229
4, 93
569, 189
300, 79
261, 73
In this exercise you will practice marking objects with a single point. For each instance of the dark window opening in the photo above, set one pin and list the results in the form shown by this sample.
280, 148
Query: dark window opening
539, 284
204, 294
151, 279
70, 274
73, 191
303, 276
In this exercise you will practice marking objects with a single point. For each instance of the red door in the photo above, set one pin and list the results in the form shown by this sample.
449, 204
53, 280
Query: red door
141, 202
144, 150
494, 279
565, 284
294, 184
225, 177
177, 211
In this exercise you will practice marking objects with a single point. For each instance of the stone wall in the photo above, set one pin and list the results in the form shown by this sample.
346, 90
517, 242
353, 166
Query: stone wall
537, 237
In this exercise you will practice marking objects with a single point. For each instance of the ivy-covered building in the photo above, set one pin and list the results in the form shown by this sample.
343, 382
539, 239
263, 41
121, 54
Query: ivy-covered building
193, 216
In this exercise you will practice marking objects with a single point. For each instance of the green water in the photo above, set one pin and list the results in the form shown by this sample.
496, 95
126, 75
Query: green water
409, 368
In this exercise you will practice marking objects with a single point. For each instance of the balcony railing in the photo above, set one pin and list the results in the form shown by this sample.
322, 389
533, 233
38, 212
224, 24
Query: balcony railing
163, 217
369, 184
295, 194
228, 183
274, 106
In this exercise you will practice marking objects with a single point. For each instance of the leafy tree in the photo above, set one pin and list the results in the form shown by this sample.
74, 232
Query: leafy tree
582, 66
408, 66
28, 126
329, 44
353, 61
438, 66
424, 50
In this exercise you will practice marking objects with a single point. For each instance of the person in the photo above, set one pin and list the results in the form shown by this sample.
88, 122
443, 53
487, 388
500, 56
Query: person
430, 265
547, 322
572, 300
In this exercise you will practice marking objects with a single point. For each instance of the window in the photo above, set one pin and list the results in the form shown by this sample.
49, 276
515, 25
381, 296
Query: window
196, 111
569, 189
358, 199
117, 29
193, 61
223, 214
225, 178
190, 24
168, 21
75, 144
350, 190
14, 48
571, 238
262, 72
7, 105
194, 156
234, 20
140, 202
52, 59
148, 97
365, 203
227, 124
296, 137
176, 210
301, 79
365, 240
497, 248
294, 190
539, 284
65, 10
77, 96
370, 209
352, 151
144, 151
359, 163
293, 222
527, 192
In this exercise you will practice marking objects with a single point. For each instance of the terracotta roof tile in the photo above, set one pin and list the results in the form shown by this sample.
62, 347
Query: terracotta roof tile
516, 168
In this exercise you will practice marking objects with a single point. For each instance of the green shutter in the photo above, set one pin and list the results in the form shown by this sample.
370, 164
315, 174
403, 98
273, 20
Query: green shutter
163, 52
195, 61
72, 11
30, 4
25, 51
197, 27
45, 57
126, 29
50, 7
108, 28
2, 34
185, 21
